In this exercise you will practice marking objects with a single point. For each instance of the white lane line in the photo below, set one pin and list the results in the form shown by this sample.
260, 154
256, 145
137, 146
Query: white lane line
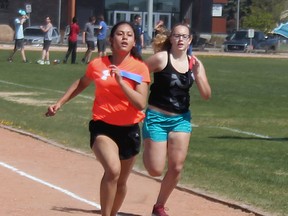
242, 132
73, 195
87, 97
43, 89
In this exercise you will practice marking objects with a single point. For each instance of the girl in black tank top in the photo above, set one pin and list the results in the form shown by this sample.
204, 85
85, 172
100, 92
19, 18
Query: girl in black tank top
167, 127
170, 89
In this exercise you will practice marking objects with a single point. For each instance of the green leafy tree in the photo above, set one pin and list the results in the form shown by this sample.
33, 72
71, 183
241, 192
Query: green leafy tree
230, 11
274, 7
284, 16
259, 19
231, 8
263, 15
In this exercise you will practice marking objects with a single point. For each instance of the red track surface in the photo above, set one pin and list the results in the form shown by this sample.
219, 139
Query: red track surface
79, 174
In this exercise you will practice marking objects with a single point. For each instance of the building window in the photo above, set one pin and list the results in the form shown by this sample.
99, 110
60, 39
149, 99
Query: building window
217, 10
117, 5
4, 4
141, 5
167, 6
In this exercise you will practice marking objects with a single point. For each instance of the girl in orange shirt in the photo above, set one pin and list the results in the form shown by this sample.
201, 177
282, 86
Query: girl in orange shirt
121, 82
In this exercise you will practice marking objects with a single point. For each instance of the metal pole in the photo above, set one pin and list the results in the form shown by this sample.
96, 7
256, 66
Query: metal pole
29, 20
59, 15
150, 18
238, 14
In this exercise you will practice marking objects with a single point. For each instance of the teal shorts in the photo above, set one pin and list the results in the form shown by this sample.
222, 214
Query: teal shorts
157, 125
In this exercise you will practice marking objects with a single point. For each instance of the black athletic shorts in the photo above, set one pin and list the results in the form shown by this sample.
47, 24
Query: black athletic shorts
90, 45
46, 45
127, 138
101, 45
19, 44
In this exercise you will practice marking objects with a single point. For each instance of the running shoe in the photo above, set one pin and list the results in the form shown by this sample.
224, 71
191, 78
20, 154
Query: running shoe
47, 62
159, 210
41, 62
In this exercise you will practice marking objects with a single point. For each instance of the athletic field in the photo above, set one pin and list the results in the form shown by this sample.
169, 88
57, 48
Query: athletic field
238, 149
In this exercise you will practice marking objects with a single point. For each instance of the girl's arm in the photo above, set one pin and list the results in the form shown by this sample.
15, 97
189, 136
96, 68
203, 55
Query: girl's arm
201, 79
46, 28
23, 20
137, 96
76, 88
157, 62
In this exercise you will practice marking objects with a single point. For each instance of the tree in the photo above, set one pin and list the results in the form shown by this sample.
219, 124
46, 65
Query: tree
284, 16
274, 7
230, 10
259, 19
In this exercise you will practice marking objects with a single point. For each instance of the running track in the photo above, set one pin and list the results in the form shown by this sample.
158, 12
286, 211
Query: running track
40, 178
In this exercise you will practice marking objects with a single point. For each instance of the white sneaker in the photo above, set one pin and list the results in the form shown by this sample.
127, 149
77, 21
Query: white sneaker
41, 62
47, 62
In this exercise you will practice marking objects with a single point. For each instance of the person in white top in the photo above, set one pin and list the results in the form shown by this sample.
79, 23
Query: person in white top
48, 30
19, 35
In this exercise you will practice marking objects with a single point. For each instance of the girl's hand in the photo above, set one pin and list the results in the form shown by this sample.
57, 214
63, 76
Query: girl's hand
196, 66
52, 110
115, 72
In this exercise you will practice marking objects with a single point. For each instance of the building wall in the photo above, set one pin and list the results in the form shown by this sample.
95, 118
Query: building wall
87, 8
201, 16
220, 1
186, 8
219, 24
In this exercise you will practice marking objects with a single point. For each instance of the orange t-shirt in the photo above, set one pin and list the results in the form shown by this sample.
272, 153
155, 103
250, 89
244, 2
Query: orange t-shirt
111, 104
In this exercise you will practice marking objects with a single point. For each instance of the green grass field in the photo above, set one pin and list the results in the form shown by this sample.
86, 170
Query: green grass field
239, 145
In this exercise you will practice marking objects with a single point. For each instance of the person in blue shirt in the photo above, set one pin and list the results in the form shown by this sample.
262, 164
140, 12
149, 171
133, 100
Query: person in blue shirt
187, 23
101, 37
19, 36
139, 33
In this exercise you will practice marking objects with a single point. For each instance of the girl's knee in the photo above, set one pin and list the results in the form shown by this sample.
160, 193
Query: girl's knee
112, 174
175, 169
154, 171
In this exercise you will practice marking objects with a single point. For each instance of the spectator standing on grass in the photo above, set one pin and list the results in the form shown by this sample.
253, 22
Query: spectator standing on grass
19, 36
139, 33
72, 41
115, 139
89, 39
187, 23
167, 126
47, 30
101, 36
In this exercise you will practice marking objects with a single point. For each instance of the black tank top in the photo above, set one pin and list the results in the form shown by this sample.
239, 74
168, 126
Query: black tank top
170, 89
